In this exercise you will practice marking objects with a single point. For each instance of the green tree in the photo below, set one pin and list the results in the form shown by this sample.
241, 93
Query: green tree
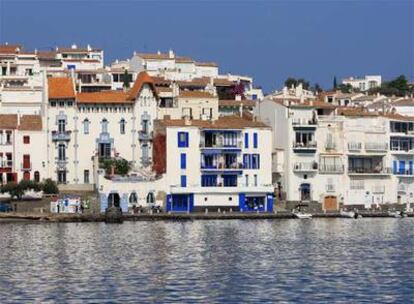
126, 82
13, 189
50, 187
398, 86
335, 84
291, 82
317, 88
345, 88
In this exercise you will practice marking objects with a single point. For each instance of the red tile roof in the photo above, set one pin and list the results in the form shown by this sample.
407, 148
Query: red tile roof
143, 78
104, 97
8, 121
9, 48
195, 94
30, 123
228, 122
61, 88
236, 103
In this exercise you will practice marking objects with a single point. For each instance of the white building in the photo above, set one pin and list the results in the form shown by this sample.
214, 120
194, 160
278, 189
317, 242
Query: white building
333, 156
364, 84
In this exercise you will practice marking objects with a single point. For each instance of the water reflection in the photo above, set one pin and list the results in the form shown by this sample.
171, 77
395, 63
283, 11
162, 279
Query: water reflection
329, 260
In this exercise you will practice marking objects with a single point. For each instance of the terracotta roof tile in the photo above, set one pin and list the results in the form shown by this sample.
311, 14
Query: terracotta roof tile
10, 48
142, 78
223, 82
30, 123
103, 97
236, 103
206, 64
8, 121
228, 122
195, 94
60, 88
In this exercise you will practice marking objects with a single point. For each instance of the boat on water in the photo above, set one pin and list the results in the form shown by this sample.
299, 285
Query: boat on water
350, 214
302, 215
397, 214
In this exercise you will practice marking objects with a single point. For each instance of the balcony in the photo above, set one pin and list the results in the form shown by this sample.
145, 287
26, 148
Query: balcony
376, 147
304, 123
197, 188
61, 163
61, 136
354, 146
404, 172
6, 164
305, 167
144, 136
331, 169
223, 167
26, 166
369, 171
221, 145
308, 147
330, 146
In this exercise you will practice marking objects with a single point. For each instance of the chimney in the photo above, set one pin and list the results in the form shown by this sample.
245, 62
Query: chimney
18, 118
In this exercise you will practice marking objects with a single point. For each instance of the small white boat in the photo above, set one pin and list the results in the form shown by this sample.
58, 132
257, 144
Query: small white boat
302, 215
348, 214
395, 214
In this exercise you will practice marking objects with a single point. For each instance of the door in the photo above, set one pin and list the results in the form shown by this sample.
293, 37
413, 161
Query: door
26, 161
330, 203
305, 192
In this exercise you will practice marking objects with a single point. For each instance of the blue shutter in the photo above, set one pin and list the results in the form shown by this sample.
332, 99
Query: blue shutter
187, 141
394, 167
179, 139
254, 140
246, 140
169, 202
242, 201
410, 167
402, 166
183, 181
258, 161
183, 161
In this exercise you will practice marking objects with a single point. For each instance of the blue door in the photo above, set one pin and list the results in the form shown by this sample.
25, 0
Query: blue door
181, 203
402, 166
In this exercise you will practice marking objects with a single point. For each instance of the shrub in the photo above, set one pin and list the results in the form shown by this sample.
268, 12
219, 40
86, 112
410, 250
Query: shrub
50, 187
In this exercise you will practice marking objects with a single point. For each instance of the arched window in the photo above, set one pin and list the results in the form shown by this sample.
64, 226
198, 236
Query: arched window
122, 126
150, 198
86, 126
104, 125
36, 176
133, 199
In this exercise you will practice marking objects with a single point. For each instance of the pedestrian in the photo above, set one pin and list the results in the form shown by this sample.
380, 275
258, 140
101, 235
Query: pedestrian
81, 208
57, 207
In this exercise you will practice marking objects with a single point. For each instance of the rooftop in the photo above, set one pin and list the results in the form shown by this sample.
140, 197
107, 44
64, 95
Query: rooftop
228, 122
103, 97
195, 94
60, 88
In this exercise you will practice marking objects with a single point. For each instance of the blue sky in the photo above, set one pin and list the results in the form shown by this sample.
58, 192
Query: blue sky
269, 40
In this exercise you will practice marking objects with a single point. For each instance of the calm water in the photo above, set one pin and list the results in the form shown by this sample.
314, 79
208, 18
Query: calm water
326, 260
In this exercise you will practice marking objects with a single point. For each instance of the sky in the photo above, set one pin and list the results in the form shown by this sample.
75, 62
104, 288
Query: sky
268, 40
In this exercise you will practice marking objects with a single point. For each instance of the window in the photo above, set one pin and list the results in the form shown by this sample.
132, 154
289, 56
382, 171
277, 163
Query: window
36, 176
86, 176
246, 140
357, 184
183, 181
145, 126
105, 150
255, 161
230, 180
255, 140
26, 140
183, 139
150, 198
122, 126
251, 161
61, 177
183, 161
61, 125
104, 125
209, 180
26, 161
8, 138
133, 199
61, 152
255, 180
247, 179
86, 126
53, 104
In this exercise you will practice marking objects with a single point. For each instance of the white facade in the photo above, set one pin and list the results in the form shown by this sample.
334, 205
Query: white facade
364, 84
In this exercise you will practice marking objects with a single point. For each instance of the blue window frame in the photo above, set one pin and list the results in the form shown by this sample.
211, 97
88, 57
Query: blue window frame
246, 161
183, 180
183, 161
209, 180
255, 140
182, 139
230, 180
246, 140
394, 167
410, 167
255, 162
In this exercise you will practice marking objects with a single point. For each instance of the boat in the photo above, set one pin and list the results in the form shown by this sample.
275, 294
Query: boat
348, 214
302, 215
396, 214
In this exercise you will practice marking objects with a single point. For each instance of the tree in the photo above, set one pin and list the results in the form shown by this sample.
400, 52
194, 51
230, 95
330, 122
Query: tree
126, 82
335, 84
398, 86
291, 82
13, 189
400, 83
317, 88
345, 88
305, 84
50, 187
